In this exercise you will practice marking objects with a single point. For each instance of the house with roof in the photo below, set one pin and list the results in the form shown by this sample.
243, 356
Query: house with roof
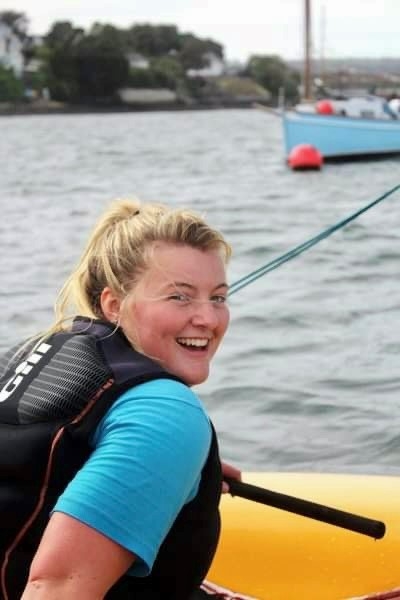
215, 67
11, 49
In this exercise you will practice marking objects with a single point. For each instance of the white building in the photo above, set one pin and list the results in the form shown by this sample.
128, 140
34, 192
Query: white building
138, 61
11, 49
215, 68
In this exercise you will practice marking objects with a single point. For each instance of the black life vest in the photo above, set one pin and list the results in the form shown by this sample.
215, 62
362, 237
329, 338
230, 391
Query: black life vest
51, 401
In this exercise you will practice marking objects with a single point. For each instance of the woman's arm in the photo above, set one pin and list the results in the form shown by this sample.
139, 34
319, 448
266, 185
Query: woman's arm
75, 561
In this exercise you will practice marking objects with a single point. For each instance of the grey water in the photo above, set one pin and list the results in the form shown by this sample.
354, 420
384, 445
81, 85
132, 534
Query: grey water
308, 377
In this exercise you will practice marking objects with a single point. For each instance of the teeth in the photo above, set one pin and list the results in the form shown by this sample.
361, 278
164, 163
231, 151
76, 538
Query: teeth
193, 342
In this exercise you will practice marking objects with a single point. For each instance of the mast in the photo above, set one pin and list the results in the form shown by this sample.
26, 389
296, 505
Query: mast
322, 43
307, 50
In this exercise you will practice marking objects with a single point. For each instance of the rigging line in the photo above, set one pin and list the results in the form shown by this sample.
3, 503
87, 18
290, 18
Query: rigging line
277, 262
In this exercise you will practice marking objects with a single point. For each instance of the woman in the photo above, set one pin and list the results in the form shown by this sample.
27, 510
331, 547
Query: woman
111, 473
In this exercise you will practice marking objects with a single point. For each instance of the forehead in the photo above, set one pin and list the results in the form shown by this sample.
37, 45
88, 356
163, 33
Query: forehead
179, 262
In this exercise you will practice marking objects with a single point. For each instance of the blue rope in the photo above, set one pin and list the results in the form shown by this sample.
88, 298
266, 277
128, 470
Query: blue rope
277, 262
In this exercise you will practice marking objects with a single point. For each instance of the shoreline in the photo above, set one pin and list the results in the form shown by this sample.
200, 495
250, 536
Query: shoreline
11, 110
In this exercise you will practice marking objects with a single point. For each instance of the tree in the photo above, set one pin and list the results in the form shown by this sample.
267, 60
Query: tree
92, 66
109, 34
83, 66
272, 73
153, 40
194, 51
59, 54
11, 88
62, 35
168, 72
102, 67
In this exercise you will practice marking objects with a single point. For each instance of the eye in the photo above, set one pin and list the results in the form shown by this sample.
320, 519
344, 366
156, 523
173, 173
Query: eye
183, 298
219, 299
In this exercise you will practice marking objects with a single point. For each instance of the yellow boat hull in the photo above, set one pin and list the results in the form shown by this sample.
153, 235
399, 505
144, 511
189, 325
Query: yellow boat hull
271, 554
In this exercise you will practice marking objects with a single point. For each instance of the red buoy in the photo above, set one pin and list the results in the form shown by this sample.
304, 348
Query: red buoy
324, 107
305, 156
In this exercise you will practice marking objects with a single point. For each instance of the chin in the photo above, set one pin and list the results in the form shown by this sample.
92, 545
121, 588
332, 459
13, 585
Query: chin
195, 380
190, 375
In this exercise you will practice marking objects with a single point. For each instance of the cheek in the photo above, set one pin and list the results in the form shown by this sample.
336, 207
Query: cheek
153, 325
225, 320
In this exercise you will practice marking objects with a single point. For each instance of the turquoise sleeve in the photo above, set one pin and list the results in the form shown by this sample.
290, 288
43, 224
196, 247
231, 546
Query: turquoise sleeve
148, 453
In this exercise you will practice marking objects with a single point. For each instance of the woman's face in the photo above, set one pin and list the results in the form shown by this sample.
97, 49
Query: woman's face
178, 313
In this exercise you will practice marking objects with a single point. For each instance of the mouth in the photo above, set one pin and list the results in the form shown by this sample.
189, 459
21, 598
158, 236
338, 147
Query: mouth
194, 344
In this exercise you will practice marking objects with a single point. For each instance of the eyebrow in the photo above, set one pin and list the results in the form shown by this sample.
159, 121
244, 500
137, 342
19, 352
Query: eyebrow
191, 287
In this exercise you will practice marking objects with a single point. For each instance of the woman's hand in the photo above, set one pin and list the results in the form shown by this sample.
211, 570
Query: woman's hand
229, 471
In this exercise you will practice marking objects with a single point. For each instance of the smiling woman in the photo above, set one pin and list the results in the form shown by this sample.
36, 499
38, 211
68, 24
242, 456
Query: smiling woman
103, 420
179, 323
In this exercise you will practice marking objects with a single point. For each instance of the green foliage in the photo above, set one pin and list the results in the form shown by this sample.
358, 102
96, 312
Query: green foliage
83, 66
164, 72
196, 86
109, 35
241, 86
153, 40
63, 35
272, 73
63, 75
59, 53
38, 80
168, 72
193, 54
90, 66
140, 78
94, 65
11, 88
101, 66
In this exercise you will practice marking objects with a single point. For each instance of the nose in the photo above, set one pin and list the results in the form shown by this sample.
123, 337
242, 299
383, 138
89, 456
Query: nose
205, 315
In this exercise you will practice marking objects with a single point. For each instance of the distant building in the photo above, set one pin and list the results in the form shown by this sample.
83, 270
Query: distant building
137, 61
144, 96
215, 68
11, 49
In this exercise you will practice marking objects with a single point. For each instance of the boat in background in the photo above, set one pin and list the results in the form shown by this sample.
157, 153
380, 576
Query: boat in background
340, 127
271, 554
336, 136
367, 106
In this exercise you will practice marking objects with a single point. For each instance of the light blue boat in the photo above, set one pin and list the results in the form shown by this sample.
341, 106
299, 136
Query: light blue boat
337, 136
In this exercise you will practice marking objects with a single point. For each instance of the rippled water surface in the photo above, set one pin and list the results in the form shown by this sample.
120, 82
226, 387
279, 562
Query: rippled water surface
308, 377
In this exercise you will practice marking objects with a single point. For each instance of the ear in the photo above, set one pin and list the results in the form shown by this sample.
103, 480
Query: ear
110, 305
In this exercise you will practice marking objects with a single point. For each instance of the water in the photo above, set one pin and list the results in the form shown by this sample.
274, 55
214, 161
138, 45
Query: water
308, 377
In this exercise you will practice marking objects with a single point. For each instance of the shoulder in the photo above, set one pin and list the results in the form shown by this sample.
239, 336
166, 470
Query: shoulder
168, 389
159, 395
162, 405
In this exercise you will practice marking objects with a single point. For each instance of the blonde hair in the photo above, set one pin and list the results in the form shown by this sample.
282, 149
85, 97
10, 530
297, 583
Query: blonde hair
117, 253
